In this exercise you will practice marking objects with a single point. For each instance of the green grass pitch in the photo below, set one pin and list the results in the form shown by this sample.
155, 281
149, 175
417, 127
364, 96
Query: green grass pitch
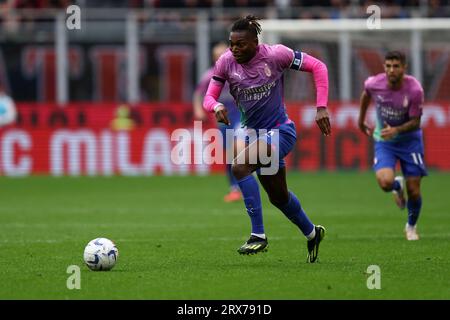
177, 239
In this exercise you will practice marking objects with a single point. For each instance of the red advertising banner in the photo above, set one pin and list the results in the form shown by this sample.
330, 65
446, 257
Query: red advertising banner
148, 139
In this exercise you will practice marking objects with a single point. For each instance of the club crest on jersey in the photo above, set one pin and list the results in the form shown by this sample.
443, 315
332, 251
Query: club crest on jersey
267, 70
405, 102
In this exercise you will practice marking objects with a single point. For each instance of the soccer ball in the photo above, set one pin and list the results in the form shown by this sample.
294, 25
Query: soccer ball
101, 254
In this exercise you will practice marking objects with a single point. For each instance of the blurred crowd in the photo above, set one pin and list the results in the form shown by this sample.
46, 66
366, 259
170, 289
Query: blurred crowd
317, 9
19, 16
15, 22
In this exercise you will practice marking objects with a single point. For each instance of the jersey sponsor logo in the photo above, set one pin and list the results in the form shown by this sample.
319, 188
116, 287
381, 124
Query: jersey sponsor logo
390, 113
256, 93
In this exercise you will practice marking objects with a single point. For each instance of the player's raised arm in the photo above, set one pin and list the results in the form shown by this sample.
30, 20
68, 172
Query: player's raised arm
210, 102
320, 75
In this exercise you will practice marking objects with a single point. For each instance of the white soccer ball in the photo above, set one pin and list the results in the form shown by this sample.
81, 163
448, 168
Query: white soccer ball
101, 254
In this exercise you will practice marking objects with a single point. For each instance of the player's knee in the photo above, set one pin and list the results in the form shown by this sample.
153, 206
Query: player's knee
240, 171
279, 200
386, 185
413, 194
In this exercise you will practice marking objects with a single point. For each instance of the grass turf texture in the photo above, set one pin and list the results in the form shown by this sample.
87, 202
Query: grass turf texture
177, 239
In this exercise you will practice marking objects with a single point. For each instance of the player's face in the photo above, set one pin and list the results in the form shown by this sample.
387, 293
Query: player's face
243, 46
394, 70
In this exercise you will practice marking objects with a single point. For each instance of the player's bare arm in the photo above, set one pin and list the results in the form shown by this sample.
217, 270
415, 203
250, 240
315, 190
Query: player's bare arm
364, 105
323, 120
389, 132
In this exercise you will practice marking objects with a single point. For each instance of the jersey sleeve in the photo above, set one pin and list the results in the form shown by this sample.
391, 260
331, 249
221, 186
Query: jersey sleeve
283, 55
319, 71
417, 99
210, 102
368, 86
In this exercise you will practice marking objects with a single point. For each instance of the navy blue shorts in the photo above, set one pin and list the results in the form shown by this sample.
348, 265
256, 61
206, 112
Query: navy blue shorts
234, 117
287, 137
282, 140
409, 153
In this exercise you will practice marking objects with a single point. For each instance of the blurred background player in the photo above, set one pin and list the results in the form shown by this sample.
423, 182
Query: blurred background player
255, 74
397, 134
233, 116
8, 111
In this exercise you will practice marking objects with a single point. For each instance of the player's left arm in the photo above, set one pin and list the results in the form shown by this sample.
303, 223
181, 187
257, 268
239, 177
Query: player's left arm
411, 125
297, 60
389, 132
320, 75
415, 113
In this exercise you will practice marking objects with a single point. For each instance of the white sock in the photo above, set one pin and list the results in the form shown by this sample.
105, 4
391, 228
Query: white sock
408, 226
312, 234
259, 235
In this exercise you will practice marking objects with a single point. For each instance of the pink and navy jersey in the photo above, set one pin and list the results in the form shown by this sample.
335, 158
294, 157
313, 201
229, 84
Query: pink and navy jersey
257, 86
395, 107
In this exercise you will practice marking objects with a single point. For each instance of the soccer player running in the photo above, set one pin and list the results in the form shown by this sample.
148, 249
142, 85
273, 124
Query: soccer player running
254, 73
397, 134
233, 115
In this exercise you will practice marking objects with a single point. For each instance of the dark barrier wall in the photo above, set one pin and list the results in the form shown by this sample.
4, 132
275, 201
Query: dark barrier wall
147, 139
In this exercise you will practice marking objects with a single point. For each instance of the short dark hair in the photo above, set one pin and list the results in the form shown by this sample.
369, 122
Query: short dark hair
396, 55
249, 23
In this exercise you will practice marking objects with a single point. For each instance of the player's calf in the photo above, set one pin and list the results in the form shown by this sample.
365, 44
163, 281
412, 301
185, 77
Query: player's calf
398, 190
